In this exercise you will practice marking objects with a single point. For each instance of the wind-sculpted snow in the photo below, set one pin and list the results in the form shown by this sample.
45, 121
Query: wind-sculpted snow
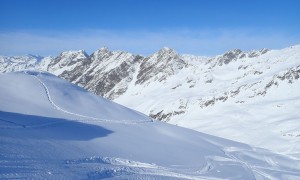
51, 129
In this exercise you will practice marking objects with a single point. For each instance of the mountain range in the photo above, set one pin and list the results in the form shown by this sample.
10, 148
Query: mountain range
251, 97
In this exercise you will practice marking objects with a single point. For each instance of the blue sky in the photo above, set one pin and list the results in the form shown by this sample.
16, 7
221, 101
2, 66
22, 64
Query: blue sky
201, 27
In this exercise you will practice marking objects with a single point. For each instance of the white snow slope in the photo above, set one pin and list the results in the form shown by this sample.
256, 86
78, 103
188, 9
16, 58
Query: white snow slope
251, 100
52, 129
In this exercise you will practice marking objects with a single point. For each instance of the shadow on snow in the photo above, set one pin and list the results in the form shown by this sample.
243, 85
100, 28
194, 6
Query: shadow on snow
43, 128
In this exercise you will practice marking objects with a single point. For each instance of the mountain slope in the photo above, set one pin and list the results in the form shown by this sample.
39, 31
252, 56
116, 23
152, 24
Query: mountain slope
53, 129
251, 97
248, 97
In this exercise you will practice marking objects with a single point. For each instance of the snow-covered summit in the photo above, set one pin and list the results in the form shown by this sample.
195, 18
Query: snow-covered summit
74, 54
38, 57
165, 51
101, 53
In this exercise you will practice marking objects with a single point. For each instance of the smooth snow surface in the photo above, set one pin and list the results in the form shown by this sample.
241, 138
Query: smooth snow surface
51, 129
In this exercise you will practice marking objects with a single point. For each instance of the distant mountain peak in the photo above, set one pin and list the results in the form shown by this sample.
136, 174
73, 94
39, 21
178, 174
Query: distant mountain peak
166, 49
38, 57
166, 52
104, 49
79, 54
264, 50
101, 53
233, 51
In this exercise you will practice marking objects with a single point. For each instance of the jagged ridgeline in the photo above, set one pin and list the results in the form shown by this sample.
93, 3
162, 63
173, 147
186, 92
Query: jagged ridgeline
119, 75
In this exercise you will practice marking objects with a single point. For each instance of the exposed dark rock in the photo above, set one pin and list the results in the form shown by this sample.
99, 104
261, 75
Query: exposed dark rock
177, 86
161, 116
178, 112
229, 56
222, 98
257, 73
210, 102
160, 65
234, 93
209, 81
108, 80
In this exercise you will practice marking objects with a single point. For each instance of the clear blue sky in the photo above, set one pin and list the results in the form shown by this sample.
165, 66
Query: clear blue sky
202, 27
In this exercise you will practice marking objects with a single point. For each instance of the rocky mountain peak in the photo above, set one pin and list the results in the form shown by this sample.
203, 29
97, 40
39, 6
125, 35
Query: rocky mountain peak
103, 52
104, 48
229, 56
80, 54
160, 65
232, 53
67, 59
37, 57
256, 53
263, 50
167, 52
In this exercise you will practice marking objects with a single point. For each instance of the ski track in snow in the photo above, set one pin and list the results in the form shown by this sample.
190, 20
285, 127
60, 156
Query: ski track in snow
246, 165
92, 119
110, 167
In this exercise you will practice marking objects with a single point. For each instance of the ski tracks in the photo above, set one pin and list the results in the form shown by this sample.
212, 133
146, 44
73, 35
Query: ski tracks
110, 167
85, 118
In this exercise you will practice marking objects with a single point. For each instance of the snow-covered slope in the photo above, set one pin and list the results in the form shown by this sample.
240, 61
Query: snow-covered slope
51, 129
251, 97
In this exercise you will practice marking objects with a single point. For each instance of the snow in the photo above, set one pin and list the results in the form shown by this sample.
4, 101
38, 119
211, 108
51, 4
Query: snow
66, 61
16, 63
243, 115
51, 129
117, 58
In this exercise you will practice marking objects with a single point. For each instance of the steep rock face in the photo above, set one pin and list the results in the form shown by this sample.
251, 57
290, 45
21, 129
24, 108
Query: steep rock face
252, 54
234, 55
108, 71
230, 56
160, 65
67, 61
104, 72
84, 74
